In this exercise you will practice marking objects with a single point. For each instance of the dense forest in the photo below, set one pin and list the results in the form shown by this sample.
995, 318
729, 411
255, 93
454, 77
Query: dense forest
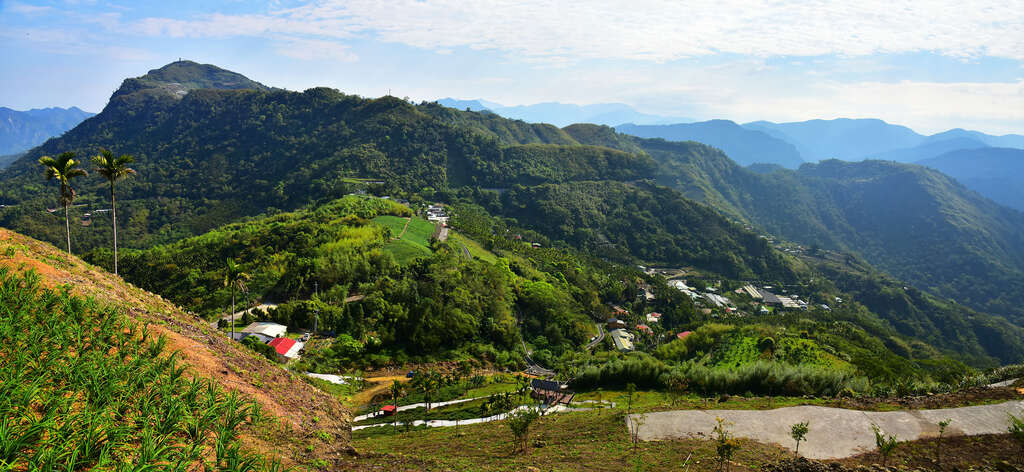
260, 176
915, 223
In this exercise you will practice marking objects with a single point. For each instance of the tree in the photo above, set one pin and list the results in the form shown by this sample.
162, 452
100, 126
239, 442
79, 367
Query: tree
113, 169
519, 422
798, 432
630, 397
397, 390
63, 169
725, 444
886, 445
1016, 430
234, 278
938, 443
635, 422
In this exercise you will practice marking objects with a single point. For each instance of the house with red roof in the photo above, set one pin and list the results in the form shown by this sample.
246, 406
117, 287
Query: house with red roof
684, 334
286, 348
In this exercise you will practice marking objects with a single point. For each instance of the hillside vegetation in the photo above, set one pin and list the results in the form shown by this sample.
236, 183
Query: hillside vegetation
65, 302
915, 223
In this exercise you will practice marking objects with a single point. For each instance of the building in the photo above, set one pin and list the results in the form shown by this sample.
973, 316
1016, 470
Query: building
388, 410
684, 334
550, 391
751, 291
266, 328
615, 323
644, 329
286, 348
622, 339
653, 317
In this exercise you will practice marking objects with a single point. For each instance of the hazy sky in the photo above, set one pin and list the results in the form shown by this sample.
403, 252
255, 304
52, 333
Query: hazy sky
928, 64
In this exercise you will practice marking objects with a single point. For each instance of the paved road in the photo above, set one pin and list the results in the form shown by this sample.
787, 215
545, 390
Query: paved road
598, 339
834, 433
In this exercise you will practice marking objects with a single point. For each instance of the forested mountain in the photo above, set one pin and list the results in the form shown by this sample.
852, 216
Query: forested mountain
23, 130
563, 114
212, 156
997, 173
913, 222
743, 145
207, 157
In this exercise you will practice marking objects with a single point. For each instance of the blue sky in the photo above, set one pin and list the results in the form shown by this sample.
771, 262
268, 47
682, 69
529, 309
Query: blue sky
928, 64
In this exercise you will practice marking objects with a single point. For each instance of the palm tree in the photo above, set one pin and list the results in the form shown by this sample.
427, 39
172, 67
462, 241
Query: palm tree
113, 168
396, 391
63, 169
235, 279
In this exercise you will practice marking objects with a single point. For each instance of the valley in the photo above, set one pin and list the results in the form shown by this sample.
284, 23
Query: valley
340, 270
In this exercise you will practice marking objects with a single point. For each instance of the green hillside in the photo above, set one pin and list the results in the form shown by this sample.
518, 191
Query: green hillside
912, 222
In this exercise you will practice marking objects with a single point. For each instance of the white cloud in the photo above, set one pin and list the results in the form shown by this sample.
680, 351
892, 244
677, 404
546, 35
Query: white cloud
315, 50
25, 9
652, 30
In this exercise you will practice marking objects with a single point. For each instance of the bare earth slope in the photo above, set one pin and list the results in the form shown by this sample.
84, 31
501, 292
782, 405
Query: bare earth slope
306, 415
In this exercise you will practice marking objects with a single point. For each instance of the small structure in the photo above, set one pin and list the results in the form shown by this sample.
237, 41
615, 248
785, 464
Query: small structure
388, 410
653, 317
286, 348
266, 328
550, 391
645, 329
751, 291
615, 323
622, 339
683, 334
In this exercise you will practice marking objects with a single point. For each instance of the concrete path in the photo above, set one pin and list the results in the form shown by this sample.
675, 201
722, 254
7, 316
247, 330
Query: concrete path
833, 432
237, 316
413, 406
448, 423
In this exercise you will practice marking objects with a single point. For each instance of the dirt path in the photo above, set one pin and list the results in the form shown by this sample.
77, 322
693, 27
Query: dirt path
834, 432
365, 396
407, 221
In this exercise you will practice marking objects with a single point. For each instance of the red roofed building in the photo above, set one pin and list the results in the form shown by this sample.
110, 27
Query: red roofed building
684, 334
388, 410
286, 347
644, 329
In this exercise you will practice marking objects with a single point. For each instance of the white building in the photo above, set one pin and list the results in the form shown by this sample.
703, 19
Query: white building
266, 328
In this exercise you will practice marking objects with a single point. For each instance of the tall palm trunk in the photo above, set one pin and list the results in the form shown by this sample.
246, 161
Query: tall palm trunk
113, 211
67, 226
231, 317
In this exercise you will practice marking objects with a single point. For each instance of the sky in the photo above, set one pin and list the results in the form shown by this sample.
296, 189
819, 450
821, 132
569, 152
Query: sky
931, 65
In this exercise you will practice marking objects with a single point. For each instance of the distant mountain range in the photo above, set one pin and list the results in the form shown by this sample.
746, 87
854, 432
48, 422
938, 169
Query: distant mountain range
859, 139
564, 114
23, 130
997, 173
743, 145
760, 142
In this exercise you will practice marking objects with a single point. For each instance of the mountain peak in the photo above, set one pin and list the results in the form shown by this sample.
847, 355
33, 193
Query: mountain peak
176, 79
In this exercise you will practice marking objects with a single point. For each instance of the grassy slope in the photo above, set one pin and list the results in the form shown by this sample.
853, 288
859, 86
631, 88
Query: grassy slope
305, 413
414, 242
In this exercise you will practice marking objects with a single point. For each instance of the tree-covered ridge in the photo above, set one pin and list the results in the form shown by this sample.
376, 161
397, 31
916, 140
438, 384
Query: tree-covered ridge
215, 156
440, 303
912, 222
654, 224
